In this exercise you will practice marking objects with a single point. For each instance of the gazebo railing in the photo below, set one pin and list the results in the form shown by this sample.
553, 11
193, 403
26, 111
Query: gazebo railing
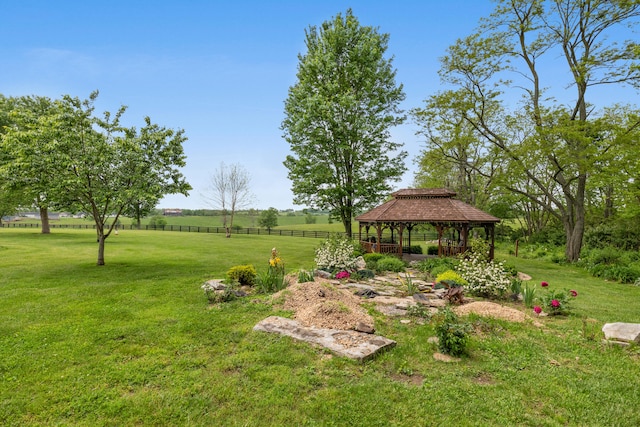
383, 248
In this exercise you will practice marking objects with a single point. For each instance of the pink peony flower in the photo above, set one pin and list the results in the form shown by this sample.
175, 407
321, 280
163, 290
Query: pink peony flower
544, 284
555, 303
573, 293
537, 309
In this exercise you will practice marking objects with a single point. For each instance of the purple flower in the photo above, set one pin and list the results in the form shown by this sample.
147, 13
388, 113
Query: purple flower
537, 309
573, 293
555, 303
544, 284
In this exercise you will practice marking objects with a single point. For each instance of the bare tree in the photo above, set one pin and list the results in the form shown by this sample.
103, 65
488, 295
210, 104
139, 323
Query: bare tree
229, 191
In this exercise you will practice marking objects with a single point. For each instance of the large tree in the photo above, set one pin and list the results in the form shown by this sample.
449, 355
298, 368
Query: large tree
229, 190
555, 52
338, 117
32, 161
111, 167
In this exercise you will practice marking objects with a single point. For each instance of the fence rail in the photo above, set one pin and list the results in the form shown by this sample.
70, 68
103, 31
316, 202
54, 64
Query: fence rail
200, 229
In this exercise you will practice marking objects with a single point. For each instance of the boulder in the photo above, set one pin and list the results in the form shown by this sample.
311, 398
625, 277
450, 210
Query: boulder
625, 332
352, 344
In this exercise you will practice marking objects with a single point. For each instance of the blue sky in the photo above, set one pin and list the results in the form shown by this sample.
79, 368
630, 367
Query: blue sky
220, 70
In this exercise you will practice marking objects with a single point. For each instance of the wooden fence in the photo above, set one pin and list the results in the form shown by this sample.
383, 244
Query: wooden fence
200, 229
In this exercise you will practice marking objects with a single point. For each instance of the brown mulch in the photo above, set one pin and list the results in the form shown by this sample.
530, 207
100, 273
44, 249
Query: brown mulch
322, 305
491, 309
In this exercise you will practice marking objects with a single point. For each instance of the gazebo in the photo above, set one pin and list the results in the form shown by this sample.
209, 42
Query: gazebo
415, 206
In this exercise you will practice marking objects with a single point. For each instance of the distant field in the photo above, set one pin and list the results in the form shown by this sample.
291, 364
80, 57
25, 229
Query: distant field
245, 221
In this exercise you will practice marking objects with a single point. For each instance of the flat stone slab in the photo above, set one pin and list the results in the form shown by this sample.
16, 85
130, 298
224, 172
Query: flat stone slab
351, 344
626, 332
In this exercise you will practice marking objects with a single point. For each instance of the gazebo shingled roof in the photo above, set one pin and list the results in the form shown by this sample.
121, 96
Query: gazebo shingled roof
426, 205
435, 206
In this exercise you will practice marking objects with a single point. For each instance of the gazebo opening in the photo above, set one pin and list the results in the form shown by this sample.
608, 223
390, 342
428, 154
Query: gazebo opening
453, 220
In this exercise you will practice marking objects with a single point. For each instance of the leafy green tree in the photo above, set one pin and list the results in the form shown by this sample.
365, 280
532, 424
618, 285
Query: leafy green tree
338, 117
268, 218
549, 147
32, 161
111, 167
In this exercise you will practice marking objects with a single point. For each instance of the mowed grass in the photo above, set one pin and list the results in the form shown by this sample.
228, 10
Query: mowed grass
134, 342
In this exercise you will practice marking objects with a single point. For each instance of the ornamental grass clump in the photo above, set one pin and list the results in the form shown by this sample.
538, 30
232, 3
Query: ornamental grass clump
336, 254
485, 278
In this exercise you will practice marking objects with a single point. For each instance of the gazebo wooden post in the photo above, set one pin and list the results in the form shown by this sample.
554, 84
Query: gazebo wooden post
491, 231
464, 237
379, 230
400, 232
440, 230
410, 227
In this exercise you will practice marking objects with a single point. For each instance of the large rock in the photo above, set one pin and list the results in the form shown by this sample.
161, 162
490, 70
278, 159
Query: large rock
625, 332
352, 344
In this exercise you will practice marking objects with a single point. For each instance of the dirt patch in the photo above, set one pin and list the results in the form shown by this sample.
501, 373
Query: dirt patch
491, 309
322, 305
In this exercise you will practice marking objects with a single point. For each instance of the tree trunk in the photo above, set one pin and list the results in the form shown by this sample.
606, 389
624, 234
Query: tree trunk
101, 239
44, 218
574, 241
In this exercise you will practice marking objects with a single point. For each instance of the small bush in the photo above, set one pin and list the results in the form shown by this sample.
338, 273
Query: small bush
305, 276
451, 278
391, 264
432, 250
271, 281
364, 274
413, 249
486, 278
373, 256
157, 221
429, 264
439, 270
243, 274
452, 334
336, 253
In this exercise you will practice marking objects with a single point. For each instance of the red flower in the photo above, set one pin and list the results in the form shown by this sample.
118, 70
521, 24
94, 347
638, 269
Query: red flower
537, 309
544, 284
573, 293
555, 303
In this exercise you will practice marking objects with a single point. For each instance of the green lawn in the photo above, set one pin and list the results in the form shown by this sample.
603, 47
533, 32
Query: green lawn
134, 342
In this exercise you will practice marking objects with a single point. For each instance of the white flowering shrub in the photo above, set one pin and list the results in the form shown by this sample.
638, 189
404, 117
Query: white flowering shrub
336, 254
485, 278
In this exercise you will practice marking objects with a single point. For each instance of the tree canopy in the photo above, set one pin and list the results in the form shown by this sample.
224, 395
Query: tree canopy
92, 164
338, 117
550, 149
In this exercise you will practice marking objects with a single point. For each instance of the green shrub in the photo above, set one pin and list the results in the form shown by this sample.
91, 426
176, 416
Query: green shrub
451, 278
432, 250
272, 280
364, 274
336, 253
373, 256
305, 276
453, 335
157, 221
427, 265
413, 249
486, 278
391, 264
243, 274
